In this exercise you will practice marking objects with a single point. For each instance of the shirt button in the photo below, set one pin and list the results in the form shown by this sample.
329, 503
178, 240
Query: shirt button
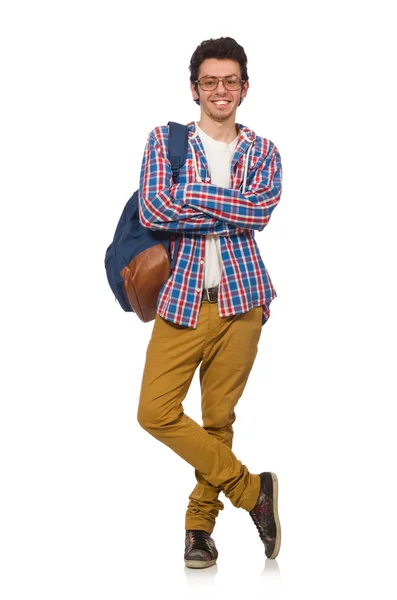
201, 262
198, 290
208, 179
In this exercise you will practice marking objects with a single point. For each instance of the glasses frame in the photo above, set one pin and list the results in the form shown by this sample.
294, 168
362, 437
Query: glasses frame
242, 81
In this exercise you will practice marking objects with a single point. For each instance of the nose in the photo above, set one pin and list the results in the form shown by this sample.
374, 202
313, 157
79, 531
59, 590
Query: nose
220, 82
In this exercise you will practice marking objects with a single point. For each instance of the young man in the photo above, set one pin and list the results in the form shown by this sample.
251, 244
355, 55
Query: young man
212, 308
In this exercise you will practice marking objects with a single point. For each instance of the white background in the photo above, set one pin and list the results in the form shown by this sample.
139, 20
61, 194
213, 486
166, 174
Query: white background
91, 505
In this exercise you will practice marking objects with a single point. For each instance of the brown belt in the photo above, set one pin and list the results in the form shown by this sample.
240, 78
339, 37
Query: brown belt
210, 294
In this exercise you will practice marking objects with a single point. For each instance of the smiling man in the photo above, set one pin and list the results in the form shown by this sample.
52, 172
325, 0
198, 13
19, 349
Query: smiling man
211, 310
221, 95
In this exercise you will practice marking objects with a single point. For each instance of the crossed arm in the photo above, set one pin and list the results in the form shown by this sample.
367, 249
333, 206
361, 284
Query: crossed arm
203, 208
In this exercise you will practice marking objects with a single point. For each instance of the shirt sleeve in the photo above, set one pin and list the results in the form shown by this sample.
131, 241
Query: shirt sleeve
158, 208
252, 208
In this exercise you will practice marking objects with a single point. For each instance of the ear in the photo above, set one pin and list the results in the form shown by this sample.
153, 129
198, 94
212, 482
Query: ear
244, 89
194, 91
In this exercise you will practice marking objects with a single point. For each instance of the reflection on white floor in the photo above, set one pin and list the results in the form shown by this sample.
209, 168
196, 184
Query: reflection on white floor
223, 578
203, 576
271, 572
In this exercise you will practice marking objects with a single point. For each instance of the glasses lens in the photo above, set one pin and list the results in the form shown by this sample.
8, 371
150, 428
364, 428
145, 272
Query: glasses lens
232, 83
208, 83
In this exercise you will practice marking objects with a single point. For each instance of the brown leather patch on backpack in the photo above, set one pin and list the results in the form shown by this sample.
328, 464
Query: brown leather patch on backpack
143, 278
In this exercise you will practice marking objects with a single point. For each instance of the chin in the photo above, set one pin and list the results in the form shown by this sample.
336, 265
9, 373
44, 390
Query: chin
220, 116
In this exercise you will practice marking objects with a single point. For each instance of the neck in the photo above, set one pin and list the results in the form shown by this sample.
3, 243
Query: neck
224, 131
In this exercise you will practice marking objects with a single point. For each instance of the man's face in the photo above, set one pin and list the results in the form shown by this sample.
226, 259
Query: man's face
220, 104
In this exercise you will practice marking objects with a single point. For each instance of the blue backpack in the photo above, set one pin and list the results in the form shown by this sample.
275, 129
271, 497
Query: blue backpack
138, 261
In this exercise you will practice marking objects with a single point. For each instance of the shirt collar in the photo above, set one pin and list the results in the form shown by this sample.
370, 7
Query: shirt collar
244, 133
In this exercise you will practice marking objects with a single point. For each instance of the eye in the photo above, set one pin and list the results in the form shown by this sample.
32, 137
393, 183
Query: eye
209, 81
232, 82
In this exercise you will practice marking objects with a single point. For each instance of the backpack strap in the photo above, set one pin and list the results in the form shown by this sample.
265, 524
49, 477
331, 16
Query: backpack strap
177, 147
177, 152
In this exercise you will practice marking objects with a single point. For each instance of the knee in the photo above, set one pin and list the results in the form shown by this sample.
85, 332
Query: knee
146, 416
153, 418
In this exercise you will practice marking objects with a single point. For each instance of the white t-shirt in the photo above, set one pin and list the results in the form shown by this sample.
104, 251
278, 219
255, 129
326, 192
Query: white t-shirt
219, 157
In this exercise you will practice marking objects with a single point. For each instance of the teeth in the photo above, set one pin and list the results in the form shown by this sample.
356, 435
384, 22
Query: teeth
220, 102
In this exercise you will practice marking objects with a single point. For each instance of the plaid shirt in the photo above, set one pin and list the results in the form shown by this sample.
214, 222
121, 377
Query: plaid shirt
195, 208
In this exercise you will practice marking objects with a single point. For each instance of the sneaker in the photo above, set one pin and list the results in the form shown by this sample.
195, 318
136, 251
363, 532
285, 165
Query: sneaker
200, 550
265, 514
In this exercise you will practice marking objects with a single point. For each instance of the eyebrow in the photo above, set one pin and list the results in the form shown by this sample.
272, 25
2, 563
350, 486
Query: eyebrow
230, 75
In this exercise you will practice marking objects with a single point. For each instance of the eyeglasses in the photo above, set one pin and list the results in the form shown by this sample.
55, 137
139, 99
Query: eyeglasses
231, 83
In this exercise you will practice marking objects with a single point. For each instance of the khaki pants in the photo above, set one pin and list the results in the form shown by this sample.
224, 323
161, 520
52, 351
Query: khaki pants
226, 349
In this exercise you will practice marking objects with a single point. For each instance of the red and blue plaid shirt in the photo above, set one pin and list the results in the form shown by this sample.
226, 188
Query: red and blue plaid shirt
195, 209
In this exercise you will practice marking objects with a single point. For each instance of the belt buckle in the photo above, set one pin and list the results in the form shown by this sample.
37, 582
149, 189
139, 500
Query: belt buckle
209, 297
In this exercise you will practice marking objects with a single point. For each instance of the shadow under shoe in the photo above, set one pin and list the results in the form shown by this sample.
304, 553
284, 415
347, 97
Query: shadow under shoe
265, 514
200, 549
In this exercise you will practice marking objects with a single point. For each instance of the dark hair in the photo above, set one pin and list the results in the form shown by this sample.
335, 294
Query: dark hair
224, 47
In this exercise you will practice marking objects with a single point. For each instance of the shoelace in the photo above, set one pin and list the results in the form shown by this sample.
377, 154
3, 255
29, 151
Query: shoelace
258, 525
200, 539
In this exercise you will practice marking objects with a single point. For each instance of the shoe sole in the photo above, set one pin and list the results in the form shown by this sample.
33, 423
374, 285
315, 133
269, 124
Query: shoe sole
276, 518
199, 564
